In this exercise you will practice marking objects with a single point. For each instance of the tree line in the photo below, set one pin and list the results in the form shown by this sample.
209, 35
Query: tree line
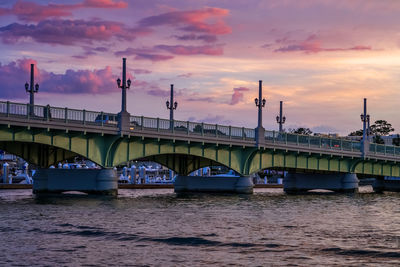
377, 130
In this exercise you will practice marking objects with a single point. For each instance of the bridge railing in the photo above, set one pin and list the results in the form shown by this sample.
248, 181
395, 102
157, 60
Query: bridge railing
191, 128
312, 141
379, 149
48, 113
39, 112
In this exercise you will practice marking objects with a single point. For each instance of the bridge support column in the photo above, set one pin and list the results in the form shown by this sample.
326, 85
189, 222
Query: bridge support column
391, 184
99, 182
302, 182
218, 184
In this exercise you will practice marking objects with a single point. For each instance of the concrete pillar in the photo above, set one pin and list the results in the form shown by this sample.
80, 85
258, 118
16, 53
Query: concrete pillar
217, 184
387, 183
133, 174
28, 179
91, 181
142, 174
5, 172
302, 182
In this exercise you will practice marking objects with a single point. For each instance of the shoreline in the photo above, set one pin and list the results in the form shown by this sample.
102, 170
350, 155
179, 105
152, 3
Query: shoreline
132, 186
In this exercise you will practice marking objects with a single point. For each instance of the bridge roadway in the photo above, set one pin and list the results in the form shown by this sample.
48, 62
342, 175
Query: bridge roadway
54, 134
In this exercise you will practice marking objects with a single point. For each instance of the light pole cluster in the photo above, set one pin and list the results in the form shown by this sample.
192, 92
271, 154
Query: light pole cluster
280, 119
171, 105
365, 119
32, 89
124, 86
123, 116
260, 103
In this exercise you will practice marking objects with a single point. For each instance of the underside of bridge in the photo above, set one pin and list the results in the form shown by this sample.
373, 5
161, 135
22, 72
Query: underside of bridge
40, 155
45, 147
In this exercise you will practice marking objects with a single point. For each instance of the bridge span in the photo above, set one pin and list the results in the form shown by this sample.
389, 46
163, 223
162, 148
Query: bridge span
53, 134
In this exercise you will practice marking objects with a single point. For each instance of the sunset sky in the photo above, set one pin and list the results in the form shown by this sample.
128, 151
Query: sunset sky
320, 57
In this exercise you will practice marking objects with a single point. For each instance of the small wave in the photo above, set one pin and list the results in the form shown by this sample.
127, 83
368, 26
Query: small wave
361, 252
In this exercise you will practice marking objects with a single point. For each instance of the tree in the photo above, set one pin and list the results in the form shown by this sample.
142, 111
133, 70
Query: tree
301, 130
396, 141
381, 127
378, 140
356, 133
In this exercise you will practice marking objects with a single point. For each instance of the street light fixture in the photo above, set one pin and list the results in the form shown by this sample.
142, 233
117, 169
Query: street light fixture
280, 119
171, 105
126, 84
260, 103
32, 88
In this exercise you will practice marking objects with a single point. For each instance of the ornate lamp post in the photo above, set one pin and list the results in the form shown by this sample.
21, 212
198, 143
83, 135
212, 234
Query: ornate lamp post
365, 119
280, 119
171, 105
260, 103
123, 116
32, 89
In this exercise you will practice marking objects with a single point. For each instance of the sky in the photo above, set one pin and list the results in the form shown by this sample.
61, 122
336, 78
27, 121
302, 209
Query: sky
321, 58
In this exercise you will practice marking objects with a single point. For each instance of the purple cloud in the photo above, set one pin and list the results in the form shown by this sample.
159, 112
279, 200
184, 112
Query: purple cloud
90, 51
14, 74
213, 119
185, 75
69, 32
30, 11
208, 38
312, 45
192, 50
141, 71
143, 54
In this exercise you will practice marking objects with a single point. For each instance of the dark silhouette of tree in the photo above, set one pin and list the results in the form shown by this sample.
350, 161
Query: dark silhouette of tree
356, 133
381, 127
396, 141
301, 130
378, 140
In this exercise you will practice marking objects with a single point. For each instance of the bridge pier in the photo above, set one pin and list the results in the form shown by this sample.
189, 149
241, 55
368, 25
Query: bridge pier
391, 184
302, 182
90, 181
218, 184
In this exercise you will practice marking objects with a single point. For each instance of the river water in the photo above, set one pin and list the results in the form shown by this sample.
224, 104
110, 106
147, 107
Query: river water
158, 228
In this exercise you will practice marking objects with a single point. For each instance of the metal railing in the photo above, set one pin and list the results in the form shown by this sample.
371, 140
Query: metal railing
340, 144
138, 123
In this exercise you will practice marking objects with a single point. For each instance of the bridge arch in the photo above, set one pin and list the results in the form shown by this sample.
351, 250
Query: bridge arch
43, 147
293, 160
182, 164
38, 154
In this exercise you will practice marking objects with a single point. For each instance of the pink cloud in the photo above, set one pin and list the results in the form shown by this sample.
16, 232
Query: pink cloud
192, 50
192, 21
237, 95
69, 32
30, 11
104, 4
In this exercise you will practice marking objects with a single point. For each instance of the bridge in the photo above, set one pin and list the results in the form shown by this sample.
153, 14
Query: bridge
46, 135
54, 134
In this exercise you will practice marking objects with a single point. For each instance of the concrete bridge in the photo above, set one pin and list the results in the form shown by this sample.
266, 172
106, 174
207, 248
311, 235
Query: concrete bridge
53, 134
46, 135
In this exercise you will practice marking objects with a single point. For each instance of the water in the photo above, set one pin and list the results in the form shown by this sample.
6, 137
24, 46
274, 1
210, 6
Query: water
157, 228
